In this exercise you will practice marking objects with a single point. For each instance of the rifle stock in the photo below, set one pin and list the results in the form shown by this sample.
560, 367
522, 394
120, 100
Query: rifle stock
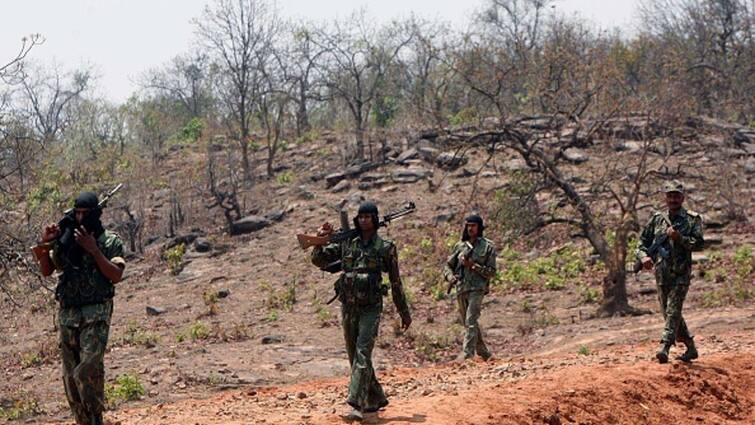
306, 241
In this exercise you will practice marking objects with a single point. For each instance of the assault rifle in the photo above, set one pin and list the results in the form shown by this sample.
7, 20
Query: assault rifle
656, 249
344, 234
460, 267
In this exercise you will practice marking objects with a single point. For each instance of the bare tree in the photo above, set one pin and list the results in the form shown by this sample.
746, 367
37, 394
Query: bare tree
425, 79
48, 97
303, 68
275, 99
186, 78
357, 60
711, 43
240, 35
13, 66
223, 190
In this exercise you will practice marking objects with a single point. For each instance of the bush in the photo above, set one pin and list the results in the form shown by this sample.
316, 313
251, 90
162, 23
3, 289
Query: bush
136, 335
174, 257
279, 299
587, 294
737, 288
192, 131
515, 210
285, 177
210, 298
30, 360
195, 331
125, 388
22, 405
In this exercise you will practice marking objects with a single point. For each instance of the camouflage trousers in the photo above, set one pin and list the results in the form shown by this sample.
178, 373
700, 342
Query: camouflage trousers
470, 307
671, 298
360, 330
82, 350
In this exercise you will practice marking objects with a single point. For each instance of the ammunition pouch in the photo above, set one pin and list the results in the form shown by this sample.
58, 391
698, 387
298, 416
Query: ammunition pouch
77, 289
361, 288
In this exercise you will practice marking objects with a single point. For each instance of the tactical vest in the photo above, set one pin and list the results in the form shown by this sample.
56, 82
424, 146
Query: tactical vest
77, 289
677, 261
82, 284
361, 281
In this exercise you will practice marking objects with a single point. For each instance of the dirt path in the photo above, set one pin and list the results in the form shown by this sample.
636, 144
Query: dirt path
611, 388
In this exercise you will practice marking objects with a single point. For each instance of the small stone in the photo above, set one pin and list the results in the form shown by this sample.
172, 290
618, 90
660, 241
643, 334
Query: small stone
342, 186
154, 311
202, 245
301, 395
272, 339
224, 293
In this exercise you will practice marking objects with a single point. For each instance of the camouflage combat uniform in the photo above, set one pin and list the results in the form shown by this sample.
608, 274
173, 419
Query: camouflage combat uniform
361, 291
84, 330
673, 267
471, 286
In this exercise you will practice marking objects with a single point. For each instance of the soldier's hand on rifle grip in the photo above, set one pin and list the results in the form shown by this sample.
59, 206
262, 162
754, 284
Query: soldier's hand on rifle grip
325, 230
647, 263
467, 263
673, 234
50, 233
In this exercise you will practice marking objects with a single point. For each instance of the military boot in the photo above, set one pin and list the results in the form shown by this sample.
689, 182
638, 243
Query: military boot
662, 354
691, 352
354, 415
97, 420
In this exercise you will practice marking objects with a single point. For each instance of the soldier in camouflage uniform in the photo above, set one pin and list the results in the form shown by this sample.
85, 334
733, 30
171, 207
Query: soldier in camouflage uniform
667, 243
360, 289
89, 269
469, 269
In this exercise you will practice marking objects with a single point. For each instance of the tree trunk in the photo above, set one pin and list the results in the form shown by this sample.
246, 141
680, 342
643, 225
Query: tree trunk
302, 116
615, 299
245, 160
359, 133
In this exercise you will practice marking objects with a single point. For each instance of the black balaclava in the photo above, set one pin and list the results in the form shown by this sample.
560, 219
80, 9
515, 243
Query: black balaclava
370, 208
474, 218
91, 221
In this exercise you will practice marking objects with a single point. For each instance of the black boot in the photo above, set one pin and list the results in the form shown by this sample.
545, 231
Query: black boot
662, 354
691, 353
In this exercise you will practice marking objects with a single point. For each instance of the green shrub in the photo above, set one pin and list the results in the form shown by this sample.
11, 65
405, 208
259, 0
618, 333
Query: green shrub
125, 388
588, 294
285, 177
30, 359
272, 316
195, 331
210, 298
21, 406
192, 131
174, 257
136, 335
583, 350
515, 210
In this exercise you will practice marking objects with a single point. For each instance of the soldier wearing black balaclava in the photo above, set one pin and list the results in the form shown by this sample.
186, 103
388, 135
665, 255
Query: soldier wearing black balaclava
90, 262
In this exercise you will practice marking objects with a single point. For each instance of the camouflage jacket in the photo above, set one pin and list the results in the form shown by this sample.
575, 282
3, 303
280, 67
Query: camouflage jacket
112, 248
363, 265
477, 278
672, 260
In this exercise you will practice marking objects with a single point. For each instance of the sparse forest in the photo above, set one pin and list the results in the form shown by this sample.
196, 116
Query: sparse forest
562, 132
